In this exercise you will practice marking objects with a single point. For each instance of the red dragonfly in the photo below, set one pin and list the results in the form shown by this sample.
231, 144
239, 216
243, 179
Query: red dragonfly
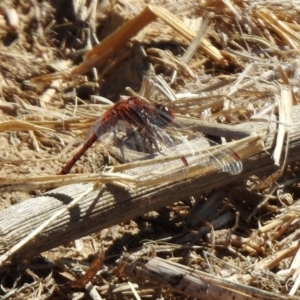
136, 125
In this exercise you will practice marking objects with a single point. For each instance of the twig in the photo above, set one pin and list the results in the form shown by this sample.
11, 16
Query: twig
39, 229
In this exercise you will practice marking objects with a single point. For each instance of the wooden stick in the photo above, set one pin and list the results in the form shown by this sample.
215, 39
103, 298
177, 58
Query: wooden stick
108, 205
189, 281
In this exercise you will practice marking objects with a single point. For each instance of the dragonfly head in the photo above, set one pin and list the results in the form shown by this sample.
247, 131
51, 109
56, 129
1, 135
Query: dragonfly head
165, 113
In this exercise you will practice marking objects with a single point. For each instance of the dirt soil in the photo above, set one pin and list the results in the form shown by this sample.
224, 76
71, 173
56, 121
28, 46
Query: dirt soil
42, 38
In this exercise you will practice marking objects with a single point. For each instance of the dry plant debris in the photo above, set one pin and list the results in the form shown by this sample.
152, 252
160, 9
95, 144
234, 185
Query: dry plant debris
217, 64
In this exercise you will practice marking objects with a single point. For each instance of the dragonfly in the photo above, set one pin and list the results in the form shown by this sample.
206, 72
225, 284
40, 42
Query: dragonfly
138, 126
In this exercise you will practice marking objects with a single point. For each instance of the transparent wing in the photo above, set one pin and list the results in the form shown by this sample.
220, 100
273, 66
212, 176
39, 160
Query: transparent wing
146, 132
196, 149
167, 167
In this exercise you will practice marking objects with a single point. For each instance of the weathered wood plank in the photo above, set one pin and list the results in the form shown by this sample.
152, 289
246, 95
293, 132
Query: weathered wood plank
109, 205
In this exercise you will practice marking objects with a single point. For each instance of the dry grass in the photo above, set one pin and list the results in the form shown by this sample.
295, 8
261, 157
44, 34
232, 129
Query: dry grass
224, 62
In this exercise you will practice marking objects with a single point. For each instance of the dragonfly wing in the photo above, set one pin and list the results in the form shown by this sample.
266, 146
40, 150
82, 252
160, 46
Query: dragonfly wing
174, 139
204, 152
126, 142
